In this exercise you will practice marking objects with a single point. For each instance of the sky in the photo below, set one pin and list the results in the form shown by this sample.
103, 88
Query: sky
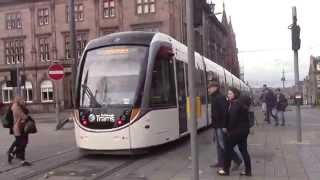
264, 40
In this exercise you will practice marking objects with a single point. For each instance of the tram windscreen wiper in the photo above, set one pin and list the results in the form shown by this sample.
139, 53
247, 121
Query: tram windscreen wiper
88, 92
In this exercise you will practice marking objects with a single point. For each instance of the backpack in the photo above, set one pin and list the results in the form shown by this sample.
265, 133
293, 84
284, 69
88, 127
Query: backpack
7, 119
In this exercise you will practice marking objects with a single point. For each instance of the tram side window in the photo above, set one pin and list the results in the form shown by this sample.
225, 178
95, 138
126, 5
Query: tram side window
223, 87
163, 92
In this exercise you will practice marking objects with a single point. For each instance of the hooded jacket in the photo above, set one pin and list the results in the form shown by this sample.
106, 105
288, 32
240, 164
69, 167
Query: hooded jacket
237, 118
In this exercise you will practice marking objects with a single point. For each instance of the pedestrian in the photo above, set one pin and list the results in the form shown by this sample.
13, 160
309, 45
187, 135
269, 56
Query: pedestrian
12, 147
281, 106
237, 130
20, 114
219, 107
270, 101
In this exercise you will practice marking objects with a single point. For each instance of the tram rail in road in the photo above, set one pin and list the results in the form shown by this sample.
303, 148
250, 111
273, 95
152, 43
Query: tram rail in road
96, 167
38, 160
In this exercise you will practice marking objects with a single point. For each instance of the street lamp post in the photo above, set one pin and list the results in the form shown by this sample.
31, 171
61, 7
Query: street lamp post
73, 48
295, 32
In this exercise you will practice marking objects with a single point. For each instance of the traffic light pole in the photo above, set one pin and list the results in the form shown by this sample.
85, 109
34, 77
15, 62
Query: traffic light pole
191, 69
18, 88
296, 46
73, 48
298, 109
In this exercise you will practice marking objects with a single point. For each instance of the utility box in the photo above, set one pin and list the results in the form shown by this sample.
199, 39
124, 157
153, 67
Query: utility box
298, 99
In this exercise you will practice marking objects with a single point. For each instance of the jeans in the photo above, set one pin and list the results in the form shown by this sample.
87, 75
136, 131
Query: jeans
280, 115
269, 113
241, 141
220, 141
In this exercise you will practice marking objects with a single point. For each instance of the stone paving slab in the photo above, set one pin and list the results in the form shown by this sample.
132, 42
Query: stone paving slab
274, 151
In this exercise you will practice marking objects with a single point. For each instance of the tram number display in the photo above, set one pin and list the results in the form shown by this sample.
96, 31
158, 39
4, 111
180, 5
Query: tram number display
115, 51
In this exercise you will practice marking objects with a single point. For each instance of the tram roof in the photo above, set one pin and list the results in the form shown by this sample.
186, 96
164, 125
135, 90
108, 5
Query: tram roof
123, 38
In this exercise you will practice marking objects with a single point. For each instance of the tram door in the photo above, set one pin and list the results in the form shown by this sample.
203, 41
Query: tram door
182, 99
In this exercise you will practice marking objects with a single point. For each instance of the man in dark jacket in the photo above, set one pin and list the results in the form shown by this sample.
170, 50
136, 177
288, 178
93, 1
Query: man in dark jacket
270, 100
219, 107
281, 106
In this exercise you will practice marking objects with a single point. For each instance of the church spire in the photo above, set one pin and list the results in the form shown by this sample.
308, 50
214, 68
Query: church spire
230, 24
224, 16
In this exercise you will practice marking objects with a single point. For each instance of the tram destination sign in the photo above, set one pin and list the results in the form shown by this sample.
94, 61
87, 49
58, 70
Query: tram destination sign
56, 72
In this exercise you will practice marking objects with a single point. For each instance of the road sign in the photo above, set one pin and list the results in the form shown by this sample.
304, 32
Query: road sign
56, 72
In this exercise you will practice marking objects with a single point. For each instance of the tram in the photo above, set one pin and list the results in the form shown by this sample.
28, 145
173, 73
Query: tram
131, 92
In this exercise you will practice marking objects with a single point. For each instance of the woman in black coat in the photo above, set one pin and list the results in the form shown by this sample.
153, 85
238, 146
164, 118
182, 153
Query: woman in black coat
237, 128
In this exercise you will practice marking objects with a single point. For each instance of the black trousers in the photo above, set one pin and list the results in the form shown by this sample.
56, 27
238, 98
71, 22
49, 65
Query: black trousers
18, 147
269, 113
241, 141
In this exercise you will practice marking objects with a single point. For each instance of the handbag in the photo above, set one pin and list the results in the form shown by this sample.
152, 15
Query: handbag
30, 126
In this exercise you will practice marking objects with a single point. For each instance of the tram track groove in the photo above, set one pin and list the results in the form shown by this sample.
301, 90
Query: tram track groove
37, 173
104, 171
38, 160
112, 171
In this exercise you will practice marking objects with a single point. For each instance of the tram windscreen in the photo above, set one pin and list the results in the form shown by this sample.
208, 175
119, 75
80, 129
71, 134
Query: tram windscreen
110, 76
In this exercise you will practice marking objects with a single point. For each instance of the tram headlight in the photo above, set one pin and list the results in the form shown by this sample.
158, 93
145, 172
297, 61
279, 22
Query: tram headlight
120, 122
85, 122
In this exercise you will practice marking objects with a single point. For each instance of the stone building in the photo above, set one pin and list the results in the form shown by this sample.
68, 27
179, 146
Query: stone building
312, 82
34, 34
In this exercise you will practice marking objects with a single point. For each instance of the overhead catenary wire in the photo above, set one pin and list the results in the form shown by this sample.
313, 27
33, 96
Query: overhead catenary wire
274, 49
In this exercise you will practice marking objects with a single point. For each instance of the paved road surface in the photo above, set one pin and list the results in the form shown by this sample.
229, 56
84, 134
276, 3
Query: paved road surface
275, 156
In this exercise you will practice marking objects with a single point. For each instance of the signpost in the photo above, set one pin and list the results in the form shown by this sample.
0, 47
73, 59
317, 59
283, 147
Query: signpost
56, 73
191, 77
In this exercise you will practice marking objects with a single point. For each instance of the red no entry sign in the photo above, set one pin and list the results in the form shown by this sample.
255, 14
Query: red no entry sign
56, 72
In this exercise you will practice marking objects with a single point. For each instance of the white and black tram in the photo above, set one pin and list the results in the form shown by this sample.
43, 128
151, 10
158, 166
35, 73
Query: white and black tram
131, 92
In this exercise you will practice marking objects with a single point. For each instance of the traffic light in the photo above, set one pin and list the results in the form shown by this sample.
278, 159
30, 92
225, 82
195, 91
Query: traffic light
295, 37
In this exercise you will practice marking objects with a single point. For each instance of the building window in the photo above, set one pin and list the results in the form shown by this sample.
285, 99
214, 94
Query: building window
7, 94
318, 77
318, 66
44, 49
14, 51
46, 91
109, 9
27, 91
67, 51
148, 27
81, 41
13, 21
146, 6
78, 12
43, 16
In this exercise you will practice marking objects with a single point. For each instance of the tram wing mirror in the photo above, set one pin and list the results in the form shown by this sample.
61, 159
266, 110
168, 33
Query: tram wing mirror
165, 53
